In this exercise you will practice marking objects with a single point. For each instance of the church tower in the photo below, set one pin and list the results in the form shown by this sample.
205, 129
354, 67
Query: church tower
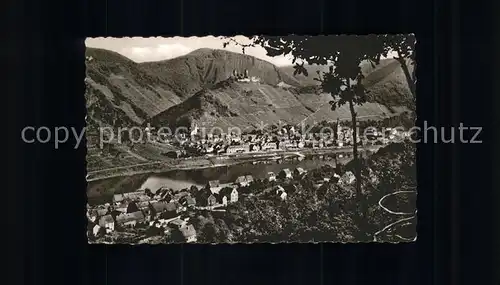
339, 133
194, 131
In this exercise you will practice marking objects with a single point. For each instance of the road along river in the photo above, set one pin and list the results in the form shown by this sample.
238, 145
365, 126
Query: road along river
212, 161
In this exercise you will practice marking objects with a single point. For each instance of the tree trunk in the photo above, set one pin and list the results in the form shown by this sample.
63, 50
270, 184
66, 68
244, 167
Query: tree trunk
409, 78
357, 166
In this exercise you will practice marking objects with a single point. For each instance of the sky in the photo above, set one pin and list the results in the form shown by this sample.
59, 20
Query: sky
155, 49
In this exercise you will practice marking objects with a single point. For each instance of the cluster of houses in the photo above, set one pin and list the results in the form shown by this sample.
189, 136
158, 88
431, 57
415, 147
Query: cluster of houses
165, 208
285, 139
142, 208
218, 144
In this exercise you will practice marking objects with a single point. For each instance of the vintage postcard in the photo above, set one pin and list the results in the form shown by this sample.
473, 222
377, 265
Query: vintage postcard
261, 139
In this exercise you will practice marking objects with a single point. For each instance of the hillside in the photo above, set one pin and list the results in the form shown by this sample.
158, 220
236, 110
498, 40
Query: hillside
120, 93
248, 105
204, 67
194, 88
386, 82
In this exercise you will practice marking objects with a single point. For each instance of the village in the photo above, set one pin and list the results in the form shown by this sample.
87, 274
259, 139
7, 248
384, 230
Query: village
168, 211
279, 140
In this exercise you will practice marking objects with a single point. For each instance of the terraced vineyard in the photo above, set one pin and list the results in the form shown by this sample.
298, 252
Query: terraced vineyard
122, 155
248, 105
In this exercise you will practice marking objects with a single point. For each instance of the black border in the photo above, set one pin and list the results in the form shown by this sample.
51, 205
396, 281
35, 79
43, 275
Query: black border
46, 71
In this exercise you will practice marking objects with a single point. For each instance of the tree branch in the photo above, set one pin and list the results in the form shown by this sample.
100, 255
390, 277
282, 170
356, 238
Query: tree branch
232, 40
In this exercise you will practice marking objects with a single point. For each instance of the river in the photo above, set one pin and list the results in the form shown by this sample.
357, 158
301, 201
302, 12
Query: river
180, 179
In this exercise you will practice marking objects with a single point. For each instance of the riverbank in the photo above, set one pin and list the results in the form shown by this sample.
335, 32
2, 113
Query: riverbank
211, 161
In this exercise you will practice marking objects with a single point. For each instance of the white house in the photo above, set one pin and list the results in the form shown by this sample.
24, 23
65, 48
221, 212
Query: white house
269, 146
95, 230
234, 195
282, 195
279, 189
227, 196
238, 148
194, 131
189, 233
272, 176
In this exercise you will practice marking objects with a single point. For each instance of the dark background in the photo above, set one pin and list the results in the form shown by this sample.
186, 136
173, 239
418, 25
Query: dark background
44, 58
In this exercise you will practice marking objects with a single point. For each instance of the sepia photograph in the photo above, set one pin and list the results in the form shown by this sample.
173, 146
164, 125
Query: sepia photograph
251, 139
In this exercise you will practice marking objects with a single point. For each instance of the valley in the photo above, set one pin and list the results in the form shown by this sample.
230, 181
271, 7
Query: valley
194, 89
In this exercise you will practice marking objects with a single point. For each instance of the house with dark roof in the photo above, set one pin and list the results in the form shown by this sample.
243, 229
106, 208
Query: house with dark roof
212, 200
164, 210
173, 154
107, 222
205, 197
130, 219
180, 195
285, 173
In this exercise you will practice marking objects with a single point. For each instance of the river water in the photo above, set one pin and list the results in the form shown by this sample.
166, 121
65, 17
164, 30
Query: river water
179, 179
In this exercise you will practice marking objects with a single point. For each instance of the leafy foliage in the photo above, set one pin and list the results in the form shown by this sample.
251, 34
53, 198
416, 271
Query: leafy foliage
175, 236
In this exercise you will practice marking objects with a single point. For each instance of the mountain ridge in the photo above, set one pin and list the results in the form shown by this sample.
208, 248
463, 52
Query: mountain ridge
206, 67
121, 91
124, 93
